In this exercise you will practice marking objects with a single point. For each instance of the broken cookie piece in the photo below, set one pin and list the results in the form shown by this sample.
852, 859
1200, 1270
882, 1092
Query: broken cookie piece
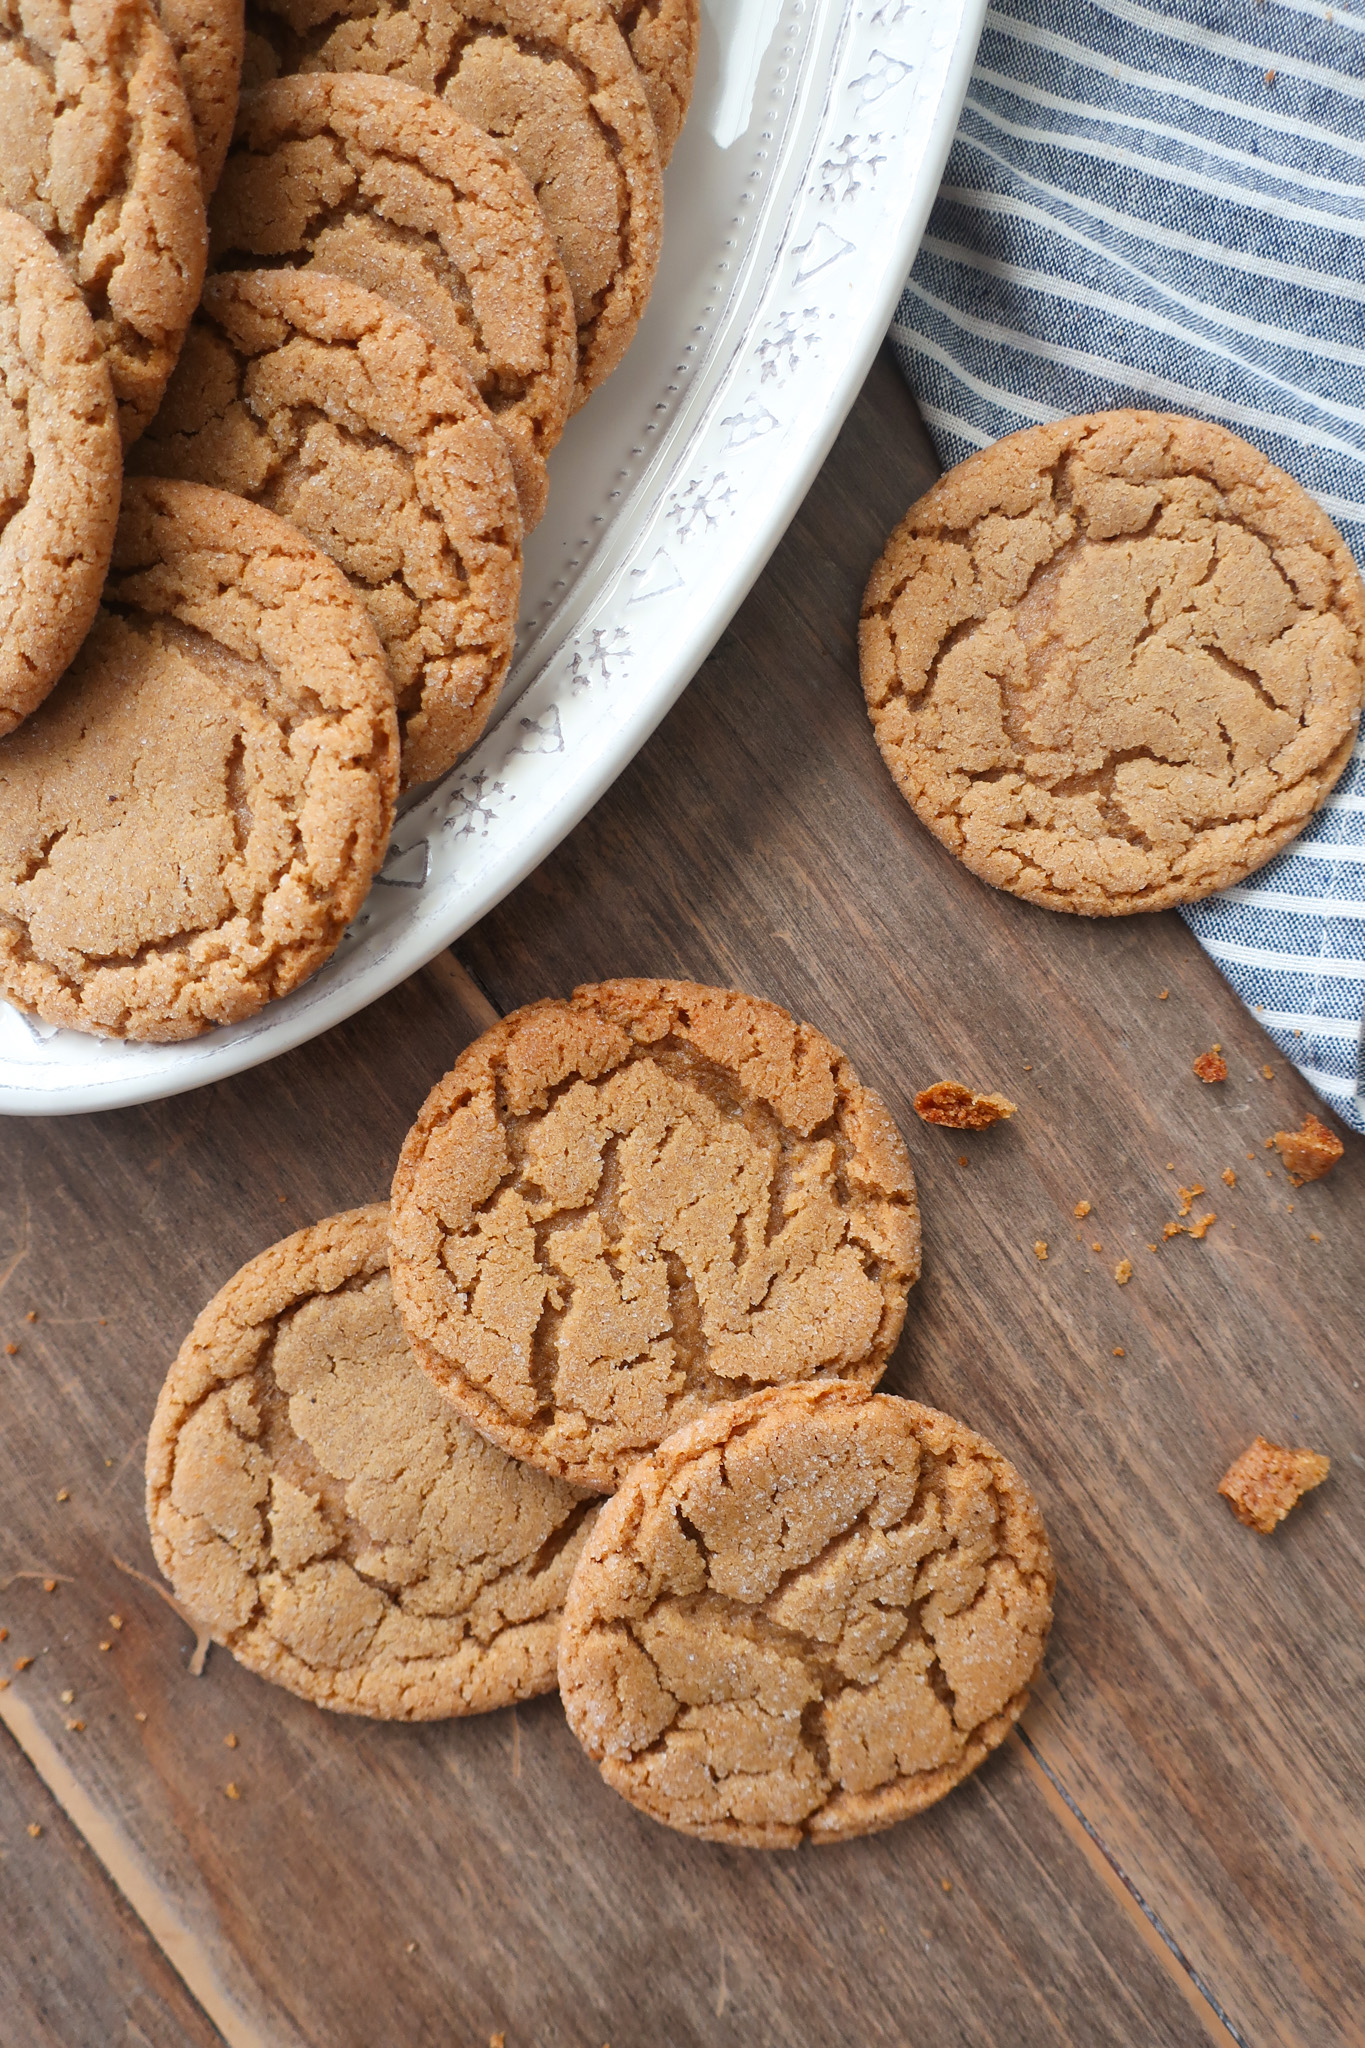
1211, 1066
948, 1102
1309, 1152
1268, 1480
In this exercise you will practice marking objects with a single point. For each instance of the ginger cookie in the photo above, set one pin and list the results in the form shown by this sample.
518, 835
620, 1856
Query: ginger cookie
370, 179
207, 36
60, 468
192, 818
97, 150
663, 36
617, 1211
316, 398
552, 79
315, 1502
808, 1615
1115, 663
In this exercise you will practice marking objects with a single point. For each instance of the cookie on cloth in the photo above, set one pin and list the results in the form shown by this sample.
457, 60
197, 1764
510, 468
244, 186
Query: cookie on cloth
618, 1210
1115, 663
97, 150
552, 79
316, 398
318, 1506
192, 818
60, 468
370, 179
207, 37
806, 1616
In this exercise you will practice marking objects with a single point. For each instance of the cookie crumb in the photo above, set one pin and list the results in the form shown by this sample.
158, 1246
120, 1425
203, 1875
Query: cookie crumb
35, 1829
1314, 1237
1309, 1152
1123, 1272
410, 1948
1097, 1246
1040, 1248
4, 1635
1187, 1196
49, 1585
106, 1646
231, 1791
948, 1102
116, 1621
1163, 995
497, 2041
1268, 1479
68, 1697
1267, 1073
65, 1494
1173, 1230
139, 1717
1204, 1224
1211, 1066
1270, 77
229, 1742
1229, 1177
947, 1883
11, 1351
1081, 1211
31, 1315
1154, 1247
4, 1685
22, 1663
1170, 1166
75, 1727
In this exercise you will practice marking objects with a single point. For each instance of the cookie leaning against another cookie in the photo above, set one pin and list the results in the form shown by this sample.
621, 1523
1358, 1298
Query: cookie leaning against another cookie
663, 36
97, 150
207, 36
552, 79
60, 468
806, 1616
1115, 663
316, 398
313, 1500
192, 819
616, 1211
370, 179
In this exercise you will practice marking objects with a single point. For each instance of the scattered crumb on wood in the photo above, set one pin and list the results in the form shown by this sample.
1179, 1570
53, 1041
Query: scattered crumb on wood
1211, 1066
35, 1828
1187, 1196
1040, 1248
1309, 1152
229, 1742
948, 1102
1123, 1272
65, 1493
1268, 1479
1229, 1177
22, 1663
1173, 1230
1162, 995
1314, 1237
116, 1621
11, 1351
231, 1791
1081, 1211
1204, 1224
1097, 1246
1119, 1351
1267, 1073
75, 1727
68, 1697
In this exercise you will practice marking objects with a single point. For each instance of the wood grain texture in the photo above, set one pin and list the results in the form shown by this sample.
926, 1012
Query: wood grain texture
1165, 1855
77, 1968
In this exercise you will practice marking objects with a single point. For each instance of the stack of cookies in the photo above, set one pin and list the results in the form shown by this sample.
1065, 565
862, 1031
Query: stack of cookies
428, 230
655, 1242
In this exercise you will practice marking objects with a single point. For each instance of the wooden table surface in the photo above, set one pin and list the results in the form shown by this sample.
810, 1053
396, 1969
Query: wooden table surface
1169, 1849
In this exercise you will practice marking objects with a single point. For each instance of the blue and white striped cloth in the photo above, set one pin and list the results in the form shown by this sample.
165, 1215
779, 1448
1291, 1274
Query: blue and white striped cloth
1165, 206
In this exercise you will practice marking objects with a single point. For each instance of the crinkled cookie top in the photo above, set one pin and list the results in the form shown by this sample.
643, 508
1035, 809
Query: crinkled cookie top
318, 1505
807, 1615
1117, 662
618, 1210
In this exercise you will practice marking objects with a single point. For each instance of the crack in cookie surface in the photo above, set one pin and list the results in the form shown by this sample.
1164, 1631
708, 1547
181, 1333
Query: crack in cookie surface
342, 1531
616, 1211
1115, 663
806, 1615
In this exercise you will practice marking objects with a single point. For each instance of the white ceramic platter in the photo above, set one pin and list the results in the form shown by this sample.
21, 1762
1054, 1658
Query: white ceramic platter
795, 203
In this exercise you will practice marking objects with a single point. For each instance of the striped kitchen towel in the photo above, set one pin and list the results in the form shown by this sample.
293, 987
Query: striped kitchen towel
1165, 206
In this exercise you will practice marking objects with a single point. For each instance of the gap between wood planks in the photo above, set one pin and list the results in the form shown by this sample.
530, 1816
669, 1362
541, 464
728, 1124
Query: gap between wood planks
199, 1970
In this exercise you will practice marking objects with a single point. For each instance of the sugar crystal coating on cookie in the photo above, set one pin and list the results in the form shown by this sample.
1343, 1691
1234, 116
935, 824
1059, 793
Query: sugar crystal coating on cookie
60, 468
806, 1616
97, 149
370, 179
207, 38
315, 398
663, 36
616, 1211
191, 819
1117, 662
552, 79
318, 1506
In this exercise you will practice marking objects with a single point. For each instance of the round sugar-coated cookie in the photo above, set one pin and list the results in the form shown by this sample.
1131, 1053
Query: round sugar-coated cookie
207, 37
319, 1507
1115, 663
317, 399
663, 36
60, 468
806, 1616
97, 149
192, 818
370, 179
617, 1211
552, 79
